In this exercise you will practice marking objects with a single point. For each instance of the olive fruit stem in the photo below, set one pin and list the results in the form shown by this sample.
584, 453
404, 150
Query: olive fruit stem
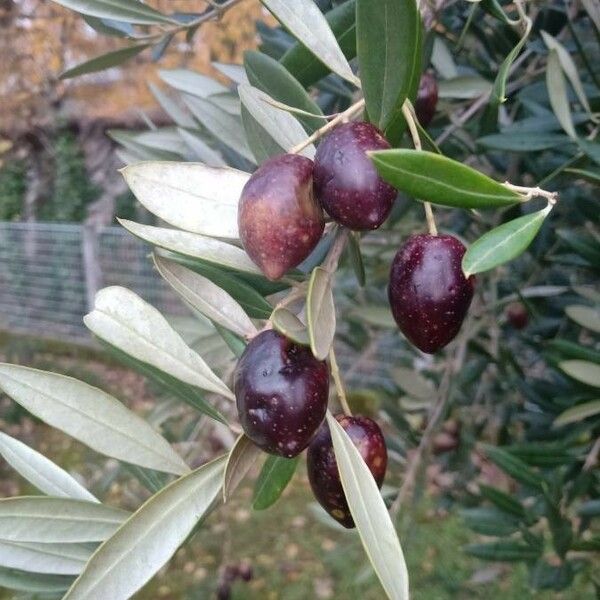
339, 384
319, 133
409, 114
532, 192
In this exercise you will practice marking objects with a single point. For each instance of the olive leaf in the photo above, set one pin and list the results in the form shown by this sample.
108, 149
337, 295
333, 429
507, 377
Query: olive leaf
320, 312
190, 196
205, 296
129, 11
583, 371
389, 55
578, 413
240, 460
200, 149
287, 323
41, 472
435, 178
91, 416
586, 316
557, 91
34, 583
306, 22
274, 477
104, 61
373, 522
503, 243
178, 114
191, 82
150, 537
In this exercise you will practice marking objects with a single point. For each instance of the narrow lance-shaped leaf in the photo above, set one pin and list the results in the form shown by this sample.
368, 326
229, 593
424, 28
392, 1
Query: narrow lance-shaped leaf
287, 323
41, 472
586, 316
435, 178
503, 243
149, 538
224, 126
191, 82
56, 559
274, 477
503, 551
200, 149
308, 68
285, 130
388, 54
557, 91
498, 95
270, 76
38, 519
242, 457
306, 22
583, 371
260, 141
514, 466
205, 296
320, 313
33, 583
179, 116
193, 245
568, 66
124, 320
129, 11
105, 61
91, 416
578, 413
373, 522
190, 196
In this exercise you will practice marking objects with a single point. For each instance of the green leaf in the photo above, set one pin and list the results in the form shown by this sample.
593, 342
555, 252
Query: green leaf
150, 537
179, 116
578, 413
287, 323
435, 178
586, 372
191, 82
306, 23
274, 477
572, 350
568, 66
370, 515
104, 61
249, 299
464, 87
200, 149
389, 55
498, 95
557, 91
503, 243
585, 316
378, 316
206, 297
523, 142
413, 383
90, 416
270, 76
306, 66
503, 551
261, 143
587, 246
225, 127
124, 320
193, 245
129, 11
240, 460
33, 583
505, 502
53, 559
489, 521
41, 472
356, 259
591, 508
514, 466
190, 196
320, 312
38, 519
109, 27
283, 128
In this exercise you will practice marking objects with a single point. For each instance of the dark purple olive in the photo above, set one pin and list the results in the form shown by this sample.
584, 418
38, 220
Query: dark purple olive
323, 472
346, 181
517, 315
279, 220
428, 292
281, 391
427, 98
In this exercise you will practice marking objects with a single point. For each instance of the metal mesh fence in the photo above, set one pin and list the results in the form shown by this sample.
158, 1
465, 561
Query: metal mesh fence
50, 272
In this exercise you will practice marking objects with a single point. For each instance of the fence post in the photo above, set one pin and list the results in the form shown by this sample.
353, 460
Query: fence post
92, 270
